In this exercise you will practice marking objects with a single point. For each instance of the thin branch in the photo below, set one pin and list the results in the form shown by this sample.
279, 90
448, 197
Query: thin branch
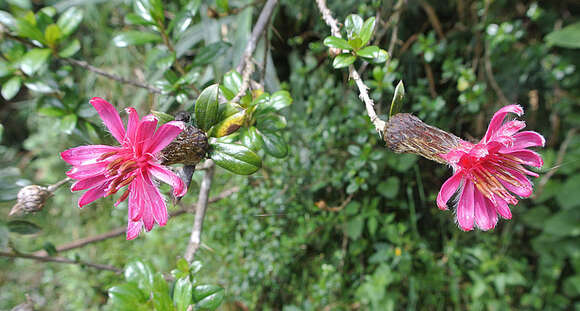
559, 161
53, 187
259, 28
433, 19
363, 89
62, 260
111, 76
202, 200
121, 230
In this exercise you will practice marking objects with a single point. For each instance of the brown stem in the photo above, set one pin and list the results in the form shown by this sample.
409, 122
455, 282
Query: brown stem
61, 260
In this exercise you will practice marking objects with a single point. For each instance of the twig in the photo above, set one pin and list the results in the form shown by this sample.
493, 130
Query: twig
259, 28
111, 76
121, 230
490, 77
53, 187
431, 79
322, 205
559, 160
363, 89
61, 260
433, 19
202, 200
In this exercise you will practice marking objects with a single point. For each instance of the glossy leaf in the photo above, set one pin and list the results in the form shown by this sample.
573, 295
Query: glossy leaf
235, 158
252, 139
182, 293
206, 107
127, 297
7, 19
208, 297
69, 21
68, 123
51, 111
369, 52
70, 49
39, 86
222, 5
353, 25
22, 227
34, 60
366, 30
280, 100
161, 299
162, 117
52, 34
335, 42
141, 273
135, 19
343, 60
398, 97
231, 84
135, 38
567, 37
29, 30
274, 144
228, 125
389, 188
210, 53
271, 123
11, 87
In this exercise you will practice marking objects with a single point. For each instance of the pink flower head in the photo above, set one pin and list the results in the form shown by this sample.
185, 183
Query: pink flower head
491, 173
104, 170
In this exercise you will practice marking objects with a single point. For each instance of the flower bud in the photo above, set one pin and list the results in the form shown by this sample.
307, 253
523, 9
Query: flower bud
405, 133
30, 199
189, 148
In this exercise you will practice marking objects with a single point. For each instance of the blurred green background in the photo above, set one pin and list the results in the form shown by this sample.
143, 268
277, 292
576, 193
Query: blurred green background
341, 223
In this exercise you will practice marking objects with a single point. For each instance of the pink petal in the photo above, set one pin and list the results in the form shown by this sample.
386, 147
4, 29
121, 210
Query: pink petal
93, 194
83, 155
145, 132
498, 117
465, 211
525, 188
528, 139
132, 123
448, 189
485, 215
110, 117
133, 229
155, 201
170, 178
136, 206
86, 171
510, 128
527, 157
164, 135
502, 207
87, 183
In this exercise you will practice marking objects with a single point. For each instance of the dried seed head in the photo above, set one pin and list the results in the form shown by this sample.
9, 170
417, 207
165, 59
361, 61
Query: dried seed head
30, 199
189, 148
405, 133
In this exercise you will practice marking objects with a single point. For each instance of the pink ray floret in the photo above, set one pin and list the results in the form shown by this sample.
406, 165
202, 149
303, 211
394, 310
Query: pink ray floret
104, 170
490, 175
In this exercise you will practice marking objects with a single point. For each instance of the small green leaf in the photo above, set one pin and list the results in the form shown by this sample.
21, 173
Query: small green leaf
52, 34
127, 297
567, 37
5, 69
398, 97
49, 248
70, 20
335, 42
208, 54
135, 38
369, 52
353, 25
22, 227
366, 31
206, 107
161, 298
182, 293
231, 84
355, 43
1, 131
228, 126
235, 158
165, 62
11, 87
39, 86
380, 57
162, 116
182, 265
271, 123
28, 30
34, 60
343, 60
354, 227
222, 5
68, 123
208, 297
70, 49
274, 144
134, 19
252, 139
141, 273
280, 100
7, 19
389, 188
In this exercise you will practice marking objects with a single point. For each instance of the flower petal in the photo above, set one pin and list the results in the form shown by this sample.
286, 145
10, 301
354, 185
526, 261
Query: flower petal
528, 139
498, 117
132, 124
155, 201
170, 178
93, 194
83, 155
510, 128
515, 182
133, 229
527, 157
502, 207
86, 171
136, 205
110, 117
465, 212
145, 132
87, 183
165, 134
448, 189
485, 214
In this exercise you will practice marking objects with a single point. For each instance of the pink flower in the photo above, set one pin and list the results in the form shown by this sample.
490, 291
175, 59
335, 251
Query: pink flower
104, 170
491, 173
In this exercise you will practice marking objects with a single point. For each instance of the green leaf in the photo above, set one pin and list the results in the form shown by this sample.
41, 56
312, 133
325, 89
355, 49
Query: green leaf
11, 87
398, 97
49, 248
182, 293
222, 5
355, 43
235, 158
1, 131
572, 197
70, 49
162, 116
335, 42
536, 217
208, 54
23, 227
252, 139
564, 223
271, 123
572, 286
141, 273
280, 100
206, 107
52, 34
567, 37
353, 25
150, 10
228, 125
134, 19
135, 38
231, 84
39, 86
165, 62
343, 60
208, 297
127, 297
7, 19
70, 20
366, 31
29, 30
5, 69
389, 188
370, 52
380, 57
34, 60
274, 144
161, 299
68, 123
354, 227
182, 265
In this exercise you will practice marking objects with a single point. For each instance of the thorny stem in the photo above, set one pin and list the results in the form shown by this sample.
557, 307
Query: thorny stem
202, 200
61, 260
363, 89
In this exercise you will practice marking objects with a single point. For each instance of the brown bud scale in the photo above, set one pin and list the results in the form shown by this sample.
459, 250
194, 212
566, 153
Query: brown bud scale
189, 148
30, 199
